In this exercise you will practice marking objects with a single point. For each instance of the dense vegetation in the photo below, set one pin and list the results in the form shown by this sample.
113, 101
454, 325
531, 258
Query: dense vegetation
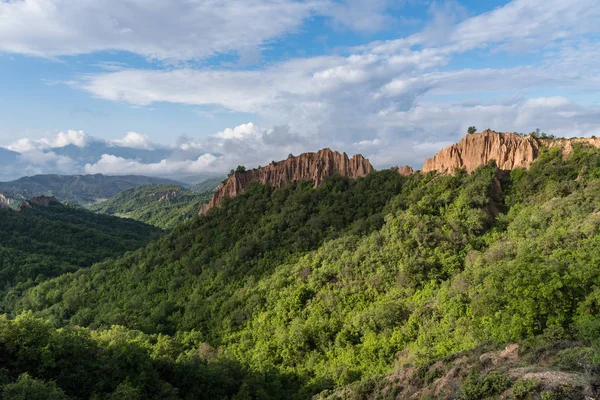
292, 291
43, 242
164, 206
76, 189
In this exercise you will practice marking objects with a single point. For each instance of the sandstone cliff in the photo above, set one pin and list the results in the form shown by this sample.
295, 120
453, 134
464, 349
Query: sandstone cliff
509, 150
315, 167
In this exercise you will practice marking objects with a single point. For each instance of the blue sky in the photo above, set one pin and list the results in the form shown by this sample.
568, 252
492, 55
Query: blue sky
195, 86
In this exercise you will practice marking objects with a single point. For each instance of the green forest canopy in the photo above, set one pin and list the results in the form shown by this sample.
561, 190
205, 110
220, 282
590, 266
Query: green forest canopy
44, 242
163, 206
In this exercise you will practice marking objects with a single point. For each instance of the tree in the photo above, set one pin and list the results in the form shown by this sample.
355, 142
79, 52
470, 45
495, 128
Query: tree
28, 388
240, 168
471, 130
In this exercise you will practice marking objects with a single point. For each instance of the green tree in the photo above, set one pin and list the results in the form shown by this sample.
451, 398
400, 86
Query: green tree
28, 388
472, 130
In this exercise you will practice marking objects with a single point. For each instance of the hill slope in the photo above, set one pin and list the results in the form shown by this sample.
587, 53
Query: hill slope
164, 206
308, 289
43, 242
207, 185
77, 189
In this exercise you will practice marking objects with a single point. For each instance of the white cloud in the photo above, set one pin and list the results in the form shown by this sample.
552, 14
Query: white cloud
57, 140
40, 162
173, 30
368, 143
345, 97
239, 132
113, 165
37, 157
363, 15
246, 144
548, 102
526, 24
135, 140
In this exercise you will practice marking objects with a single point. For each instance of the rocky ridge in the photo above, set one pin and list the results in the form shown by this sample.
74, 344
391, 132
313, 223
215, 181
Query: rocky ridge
509, 150
315, 167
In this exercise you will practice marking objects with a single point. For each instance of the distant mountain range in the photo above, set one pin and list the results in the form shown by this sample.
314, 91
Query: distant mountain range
78, 189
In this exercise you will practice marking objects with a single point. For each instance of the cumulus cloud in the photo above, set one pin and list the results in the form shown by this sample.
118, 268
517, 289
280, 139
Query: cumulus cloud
113, 165
239, 132
246, 144
135, 141
60, 139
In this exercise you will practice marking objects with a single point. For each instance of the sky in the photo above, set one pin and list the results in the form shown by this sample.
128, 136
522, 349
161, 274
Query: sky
196, 87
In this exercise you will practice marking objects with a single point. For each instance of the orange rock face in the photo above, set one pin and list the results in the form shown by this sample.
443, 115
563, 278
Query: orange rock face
403, 170
509, 150
315, 167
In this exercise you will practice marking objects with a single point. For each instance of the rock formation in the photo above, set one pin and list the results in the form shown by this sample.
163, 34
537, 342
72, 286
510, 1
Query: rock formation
403, 170
509, 150
42, 201
167, 195
315, 167
4, 202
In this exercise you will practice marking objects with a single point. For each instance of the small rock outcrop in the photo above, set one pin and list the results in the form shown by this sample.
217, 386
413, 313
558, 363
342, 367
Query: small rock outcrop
4, 202
168, 195
315, 167
42, 201
404, 170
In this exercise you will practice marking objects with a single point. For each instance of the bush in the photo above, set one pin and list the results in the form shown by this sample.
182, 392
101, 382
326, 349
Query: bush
523, 388
477, 387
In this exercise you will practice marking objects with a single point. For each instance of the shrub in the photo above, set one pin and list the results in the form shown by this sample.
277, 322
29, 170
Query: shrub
480, 387
524, 387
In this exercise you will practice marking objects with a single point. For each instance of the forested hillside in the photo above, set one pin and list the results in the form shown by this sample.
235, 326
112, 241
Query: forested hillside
164, 206
207, 185
296, 291
77, 189
38, 243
